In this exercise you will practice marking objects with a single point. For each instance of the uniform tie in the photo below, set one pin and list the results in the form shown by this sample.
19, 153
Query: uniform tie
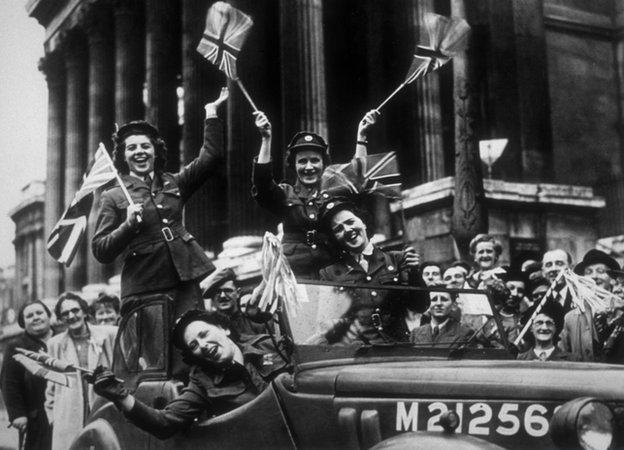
148, 181
542, 356
435, 331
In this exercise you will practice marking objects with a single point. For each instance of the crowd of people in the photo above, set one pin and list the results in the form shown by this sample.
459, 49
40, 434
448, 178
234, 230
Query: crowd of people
228, 355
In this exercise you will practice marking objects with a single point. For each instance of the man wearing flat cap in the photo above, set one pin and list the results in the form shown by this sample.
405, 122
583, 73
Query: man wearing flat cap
545, 330
580, 336
159, 254
220, 287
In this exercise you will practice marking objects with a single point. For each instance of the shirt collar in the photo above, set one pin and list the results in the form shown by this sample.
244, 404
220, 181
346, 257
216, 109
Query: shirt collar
151, 174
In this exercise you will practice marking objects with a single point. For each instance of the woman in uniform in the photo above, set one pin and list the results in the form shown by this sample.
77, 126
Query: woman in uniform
160, 256
297, 206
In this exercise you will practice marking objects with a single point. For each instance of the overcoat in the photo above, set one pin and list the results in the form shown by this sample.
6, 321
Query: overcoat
64, 405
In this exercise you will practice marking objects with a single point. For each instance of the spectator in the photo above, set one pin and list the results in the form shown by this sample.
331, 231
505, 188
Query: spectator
86, 346
597, 265
106, 310
486, 251
613, 348
553, 262
298, 206
220, 287
510, 313
24, 393
537, 288
224, 375
443, 330
431, 273
545, 331
455, 277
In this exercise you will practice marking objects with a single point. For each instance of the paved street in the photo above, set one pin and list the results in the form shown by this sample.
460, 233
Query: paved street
8, 436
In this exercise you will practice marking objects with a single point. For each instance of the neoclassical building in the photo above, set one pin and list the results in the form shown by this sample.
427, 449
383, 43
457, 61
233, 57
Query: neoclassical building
547, 75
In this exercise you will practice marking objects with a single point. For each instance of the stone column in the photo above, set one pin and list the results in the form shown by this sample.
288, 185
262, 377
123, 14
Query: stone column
54, 69
533, 97
162, 52
303, 66
76, 59
129, 60
204, 214
469, 212
428, 104
98, 22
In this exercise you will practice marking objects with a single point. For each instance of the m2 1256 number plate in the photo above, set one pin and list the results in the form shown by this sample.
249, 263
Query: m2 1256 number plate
487, 419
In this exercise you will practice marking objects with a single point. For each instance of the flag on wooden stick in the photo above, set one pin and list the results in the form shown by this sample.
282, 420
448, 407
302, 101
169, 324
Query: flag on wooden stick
47, 367
68, 233
225, 33
448, 36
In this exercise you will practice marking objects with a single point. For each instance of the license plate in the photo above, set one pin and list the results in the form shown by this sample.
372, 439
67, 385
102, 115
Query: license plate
487, 419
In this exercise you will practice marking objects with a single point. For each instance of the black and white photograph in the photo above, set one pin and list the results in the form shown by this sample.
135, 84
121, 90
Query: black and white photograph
312, 224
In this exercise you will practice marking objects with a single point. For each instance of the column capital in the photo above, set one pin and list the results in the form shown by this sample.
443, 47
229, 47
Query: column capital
52, 66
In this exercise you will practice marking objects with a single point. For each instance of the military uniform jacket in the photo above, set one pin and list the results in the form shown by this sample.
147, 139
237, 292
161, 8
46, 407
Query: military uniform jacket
298, 209
159, 253
452, 333
213, 391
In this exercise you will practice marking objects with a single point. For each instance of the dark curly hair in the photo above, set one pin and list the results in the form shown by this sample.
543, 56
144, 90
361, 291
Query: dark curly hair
71, 296
20, 314
328, 212
160, 149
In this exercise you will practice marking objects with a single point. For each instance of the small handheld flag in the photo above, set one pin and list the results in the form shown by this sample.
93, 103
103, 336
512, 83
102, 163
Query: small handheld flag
68, 233
448, 36
225, 33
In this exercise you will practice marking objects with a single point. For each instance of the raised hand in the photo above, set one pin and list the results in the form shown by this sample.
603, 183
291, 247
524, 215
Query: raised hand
106, 385
411, 259
369, 119
211, 108
133, 214
263, 124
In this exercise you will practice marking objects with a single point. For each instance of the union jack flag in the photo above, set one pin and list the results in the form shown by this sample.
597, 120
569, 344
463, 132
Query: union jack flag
224, 35
373, 174
447, 38
68, 233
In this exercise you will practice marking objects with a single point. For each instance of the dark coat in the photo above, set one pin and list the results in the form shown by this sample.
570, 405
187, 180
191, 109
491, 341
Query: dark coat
556, 355
213, 391
297, 208
24, 393
372, 308
452, 333
160, 253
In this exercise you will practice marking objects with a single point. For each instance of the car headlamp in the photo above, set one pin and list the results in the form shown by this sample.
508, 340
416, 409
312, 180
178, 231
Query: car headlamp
583, 423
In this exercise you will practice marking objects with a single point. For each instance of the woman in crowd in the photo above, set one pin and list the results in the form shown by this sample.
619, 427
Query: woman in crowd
24, 393
160, 256
297, 206
486, 251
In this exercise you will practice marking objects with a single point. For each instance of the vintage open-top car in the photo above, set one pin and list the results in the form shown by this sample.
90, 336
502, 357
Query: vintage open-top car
386, 393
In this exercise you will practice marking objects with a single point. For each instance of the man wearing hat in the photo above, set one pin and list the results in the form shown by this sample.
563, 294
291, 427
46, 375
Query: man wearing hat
297, 206
580, 336
545, 330
220, 287
225, 374
159, 254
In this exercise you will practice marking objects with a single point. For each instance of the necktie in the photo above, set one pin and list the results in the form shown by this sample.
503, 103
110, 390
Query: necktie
542, 356
148, 181
435, 331
364, 262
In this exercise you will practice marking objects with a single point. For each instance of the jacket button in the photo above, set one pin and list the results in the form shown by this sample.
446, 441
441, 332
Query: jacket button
395, 279
325, 195
165, 221
390, 268
312, 216
159, 206
368, 278
133, 253
374, 293
310, 204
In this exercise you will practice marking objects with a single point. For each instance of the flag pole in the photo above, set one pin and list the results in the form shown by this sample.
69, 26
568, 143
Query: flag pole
391, 95
246, 94
538, 309
119, 180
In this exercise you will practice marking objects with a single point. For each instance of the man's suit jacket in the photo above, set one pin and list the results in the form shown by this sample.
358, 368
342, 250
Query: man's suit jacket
452, 333
577, 336
556, 355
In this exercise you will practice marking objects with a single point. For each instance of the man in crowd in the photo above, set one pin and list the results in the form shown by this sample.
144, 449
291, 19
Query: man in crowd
455, 276
545, 331
225, 374
221, 288
431, 273
83, 345
106, 310
443, 330
553, 262
24, 393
